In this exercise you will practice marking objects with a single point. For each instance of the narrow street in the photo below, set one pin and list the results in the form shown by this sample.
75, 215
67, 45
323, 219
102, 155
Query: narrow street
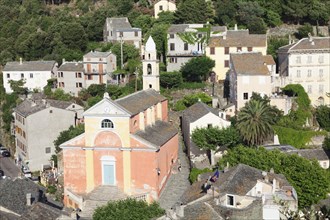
8, 166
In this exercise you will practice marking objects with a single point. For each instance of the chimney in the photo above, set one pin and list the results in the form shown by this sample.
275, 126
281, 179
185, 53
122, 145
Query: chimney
28, 199
235, 28
274, 186
179, 210
20, 60
310, 38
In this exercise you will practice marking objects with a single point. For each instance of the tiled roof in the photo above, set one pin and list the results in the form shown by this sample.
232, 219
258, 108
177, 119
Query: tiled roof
119, 23
177, 28
249, 64
269, 60
13, 194
239, 38
41, 211
315, 43
30, 66
198, 110
72, 66
28, 107
140, 101
97, 54
158, 134
318, 154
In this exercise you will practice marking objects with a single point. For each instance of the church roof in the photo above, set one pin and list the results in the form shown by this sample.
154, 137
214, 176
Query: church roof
150, 45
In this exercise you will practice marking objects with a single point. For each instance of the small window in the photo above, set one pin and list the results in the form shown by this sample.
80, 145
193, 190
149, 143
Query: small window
309, 73
111, 33
309, 90
226, 63
239, 49
298, 73
160, 8
298, 60
171, 35
250, 49
321, 59
185, 46
22, 75
47, 150
121, 34
50, 111
200, 35
212, 50
226, 50
106, 123
73, 106
136, 34
89, 77
321, 73
150, 86
321, 89
100, 59
309, 59
245, 96
230, 200
149, 69
8, 75
24, 134
209, 125
172, 46
173, 60
31, 75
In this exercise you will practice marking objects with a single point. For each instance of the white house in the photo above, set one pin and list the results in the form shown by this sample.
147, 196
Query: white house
34, 73
37, 124
71, 77
307, 62
164, 5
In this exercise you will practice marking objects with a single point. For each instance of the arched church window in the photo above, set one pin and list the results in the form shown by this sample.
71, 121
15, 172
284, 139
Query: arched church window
106, 123
149, 71
150, 86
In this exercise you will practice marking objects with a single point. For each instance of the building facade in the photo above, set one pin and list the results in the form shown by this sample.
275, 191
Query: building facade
37, 124
150, 66
120, 30
34, 73
71, 77
164, 5
233, 41
307, 62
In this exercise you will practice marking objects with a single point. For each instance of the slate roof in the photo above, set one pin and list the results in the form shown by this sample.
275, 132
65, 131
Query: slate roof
30, 66
158, 134
218, 28
29, 107
13, 194
119, 23
239, 38
72, 66
177, 28
198, 110
306, 44
268, 59
97, 54
140, 101
318, 154
201, 211
41, 211
249, 64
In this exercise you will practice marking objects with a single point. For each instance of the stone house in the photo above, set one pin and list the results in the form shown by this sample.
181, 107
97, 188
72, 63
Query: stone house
200, 115
307, 62
37, 124
34, 73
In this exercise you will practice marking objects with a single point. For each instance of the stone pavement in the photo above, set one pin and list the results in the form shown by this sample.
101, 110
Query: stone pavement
177, 183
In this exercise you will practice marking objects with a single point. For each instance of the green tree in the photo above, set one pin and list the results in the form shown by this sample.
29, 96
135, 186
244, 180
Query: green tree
18, 87
145, 22
74, 36
96, 89
165, 17
128, 209
189, 100
254, 122
310, 181
197, 69
304, 30
323, 116
129, 52
170, 79
159, 35
68, 135
193, 11
214, 138
326, 143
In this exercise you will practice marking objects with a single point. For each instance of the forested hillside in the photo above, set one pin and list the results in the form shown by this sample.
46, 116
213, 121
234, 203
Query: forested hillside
56, 29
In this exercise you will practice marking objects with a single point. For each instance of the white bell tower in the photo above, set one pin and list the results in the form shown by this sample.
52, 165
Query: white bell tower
150, 66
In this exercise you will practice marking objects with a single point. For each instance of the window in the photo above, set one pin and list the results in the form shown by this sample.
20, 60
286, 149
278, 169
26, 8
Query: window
172, 46
111, 33
250, 49
230, 200
63, 84
298, 59
106, 123
78, 75
309, 90
200, 35
245, 96
149, 69
31, 75
79, 85
321, 73
226, 50
185, 46
209, 125
309, 59
239, 49
226, 63
173, 60
160, 8
100, 59
24, 135
298, 73
212, 50
47, 150
121, 34
321, 89
309, 73
8, 75
171, 35
50, 111
136, 34
22, 75
321, 59
89, 77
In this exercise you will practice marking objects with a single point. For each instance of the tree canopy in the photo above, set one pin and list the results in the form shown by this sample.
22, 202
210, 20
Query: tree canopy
68, 134
197, 69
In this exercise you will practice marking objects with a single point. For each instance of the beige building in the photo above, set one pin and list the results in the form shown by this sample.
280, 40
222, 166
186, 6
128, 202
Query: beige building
164, 5
70, 77
232, 41
250, 72
307, 62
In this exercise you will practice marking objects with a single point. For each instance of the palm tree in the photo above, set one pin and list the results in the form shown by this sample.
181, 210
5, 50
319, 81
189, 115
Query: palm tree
254, 122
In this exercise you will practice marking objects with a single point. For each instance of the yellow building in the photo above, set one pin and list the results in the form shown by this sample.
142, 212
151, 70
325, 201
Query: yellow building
233, 41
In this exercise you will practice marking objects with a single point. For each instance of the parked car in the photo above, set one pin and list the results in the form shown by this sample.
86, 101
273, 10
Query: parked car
2, 149
5, 153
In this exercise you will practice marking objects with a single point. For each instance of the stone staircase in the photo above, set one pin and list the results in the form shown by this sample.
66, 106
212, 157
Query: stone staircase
99, 197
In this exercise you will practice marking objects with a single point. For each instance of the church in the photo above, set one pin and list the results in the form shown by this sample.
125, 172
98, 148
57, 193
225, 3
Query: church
128, 143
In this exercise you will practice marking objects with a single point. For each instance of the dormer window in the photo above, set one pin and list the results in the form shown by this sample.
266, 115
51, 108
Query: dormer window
106, 123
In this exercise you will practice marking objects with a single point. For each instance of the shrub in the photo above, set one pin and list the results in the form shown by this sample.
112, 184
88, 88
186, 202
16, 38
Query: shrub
170, 79
195, 172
